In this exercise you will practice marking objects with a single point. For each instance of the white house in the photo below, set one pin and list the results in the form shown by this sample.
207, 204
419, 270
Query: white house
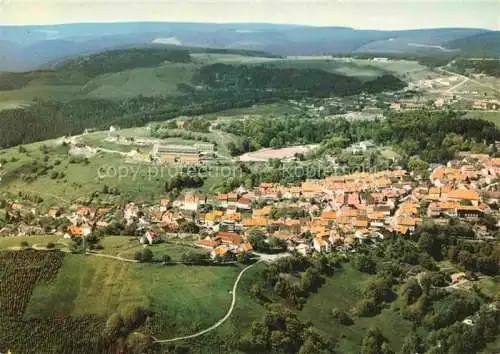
303, 249
149, 236
320, 245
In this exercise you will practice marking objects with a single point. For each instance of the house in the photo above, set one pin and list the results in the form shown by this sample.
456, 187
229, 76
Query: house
150, 236
245, 247
218, 251
83, 212
255, 222
213, 217
223, 200
231, 217
321, 245
207, 243
261, 212
468, 211
303, 249
464, 195
131, 211
205, 148
244, 203
328, 215
164, 204
191, 202
79, 231
229, 238
53, 212
456, 277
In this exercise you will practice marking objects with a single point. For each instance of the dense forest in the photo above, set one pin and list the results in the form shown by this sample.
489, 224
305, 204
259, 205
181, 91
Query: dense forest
119, 60
49, 119
80, 70
228, 87
288, 82
489, 67
403, 272
434, 136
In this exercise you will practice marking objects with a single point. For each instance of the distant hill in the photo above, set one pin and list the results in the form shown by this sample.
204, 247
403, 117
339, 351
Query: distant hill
131, 87
482, 44
28, 47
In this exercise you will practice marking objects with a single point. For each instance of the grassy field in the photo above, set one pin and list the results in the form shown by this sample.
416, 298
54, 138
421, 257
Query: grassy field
189, 297
9, 242
162, 80
126, 247
490, 116
247, 309
342, 291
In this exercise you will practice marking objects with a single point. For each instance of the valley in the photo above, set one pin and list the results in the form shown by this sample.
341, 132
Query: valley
335, 195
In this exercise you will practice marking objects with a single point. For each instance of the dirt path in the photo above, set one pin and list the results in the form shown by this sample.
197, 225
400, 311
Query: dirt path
218, 323
112, 257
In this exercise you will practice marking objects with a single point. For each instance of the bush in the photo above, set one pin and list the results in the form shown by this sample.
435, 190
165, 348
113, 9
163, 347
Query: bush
144, 256
342, 317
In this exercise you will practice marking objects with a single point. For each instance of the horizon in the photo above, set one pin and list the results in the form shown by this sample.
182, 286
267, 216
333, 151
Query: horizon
111, 22
389, 15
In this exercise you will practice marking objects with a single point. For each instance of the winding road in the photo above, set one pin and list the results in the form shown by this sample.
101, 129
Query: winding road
218, 323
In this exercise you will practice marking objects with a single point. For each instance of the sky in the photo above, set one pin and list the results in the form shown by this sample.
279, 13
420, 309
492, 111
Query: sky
363, 14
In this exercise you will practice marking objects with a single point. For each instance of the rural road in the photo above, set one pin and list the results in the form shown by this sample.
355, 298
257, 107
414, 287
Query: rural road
468, 79
218, 323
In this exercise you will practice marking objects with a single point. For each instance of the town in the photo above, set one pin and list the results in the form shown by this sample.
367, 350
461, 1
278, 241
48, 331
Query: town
334, 213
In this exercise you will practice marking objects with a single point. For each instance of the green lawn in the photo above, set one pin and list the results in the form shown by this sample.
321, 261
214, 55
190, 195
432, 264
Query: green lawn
161, 80
125, 246
489, 285
342, 291
188, 297
247, 309
11, 241
491, 116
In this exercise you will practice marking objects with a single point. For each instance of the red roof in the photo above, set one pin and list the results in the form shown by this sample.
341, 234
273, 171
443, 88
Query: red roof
229, 237
207, 243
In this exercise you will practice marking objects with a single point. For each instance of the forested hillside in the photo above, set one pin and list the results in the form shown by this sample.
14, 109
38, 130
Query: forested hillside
489, 67
213, 88
119, 60
434, 136
288, 82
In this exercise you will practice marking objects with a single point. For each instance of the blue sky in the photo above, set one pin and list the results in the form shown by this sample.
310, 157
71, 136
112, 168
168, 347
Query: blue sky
380, 14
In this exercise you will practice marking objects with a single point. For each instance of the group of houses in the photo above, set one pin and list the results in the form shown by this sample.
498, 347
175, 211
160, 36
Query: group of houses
337, 212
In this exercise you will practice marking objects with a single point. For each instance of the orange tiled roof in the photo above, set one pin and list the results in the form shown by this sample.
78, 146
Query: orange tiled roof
376, 216
220, 251
255, 222
406, 221
463, 194
361, 223
329, 215
262, 212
